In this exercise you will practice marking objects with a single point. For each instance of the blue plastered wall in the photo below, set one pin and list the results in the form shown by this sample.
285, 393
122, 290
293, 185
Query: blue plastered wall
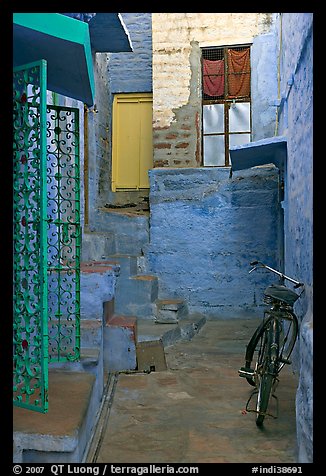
296, 123
132, 72
205, 228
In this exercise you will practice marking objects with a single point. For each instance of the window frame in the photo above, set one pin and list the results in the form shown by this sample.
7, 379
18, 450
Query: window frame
225, 100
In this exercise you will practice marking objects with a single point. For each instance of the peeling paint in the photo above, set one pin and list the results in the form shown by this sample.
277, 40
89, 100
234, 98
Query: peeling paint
176, 36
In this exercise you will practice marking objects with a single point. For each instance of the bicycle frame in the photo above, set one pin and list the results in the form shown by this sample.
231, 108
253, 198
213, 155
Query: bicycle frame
281, 315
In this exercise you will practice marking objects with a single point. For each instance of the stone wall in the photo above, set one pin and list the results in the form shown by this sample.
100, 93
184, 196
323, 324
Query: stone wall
177, 97
205, 228
296, 122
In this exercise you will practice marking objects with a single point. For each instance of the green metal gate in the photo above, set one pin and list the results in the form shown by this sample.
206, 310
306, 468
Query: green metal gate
46, 261
63, 239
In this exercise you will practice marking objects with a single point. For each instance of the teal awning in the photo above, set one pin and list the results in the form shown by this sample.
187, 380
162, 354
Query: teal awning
64, 43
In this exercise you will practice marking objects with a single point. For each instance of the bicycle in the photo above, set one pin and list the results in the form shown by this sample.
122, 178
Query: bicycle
272, 343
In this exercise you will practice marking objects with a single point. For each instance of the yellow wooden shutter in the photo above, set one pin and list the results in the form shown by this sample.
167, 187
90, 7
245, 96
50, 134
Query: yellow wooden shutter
132, 149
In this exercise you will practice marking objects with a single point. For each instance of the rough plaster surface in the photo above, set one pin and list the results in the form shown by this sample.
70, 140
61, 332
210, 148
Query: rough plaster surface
96, 288
172, 37
213, 226
296, 122
132, 72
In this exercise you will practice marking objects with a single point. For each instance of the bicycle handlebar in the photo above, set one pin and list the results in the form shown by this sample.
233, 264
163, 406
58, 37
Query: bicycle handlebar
297, 284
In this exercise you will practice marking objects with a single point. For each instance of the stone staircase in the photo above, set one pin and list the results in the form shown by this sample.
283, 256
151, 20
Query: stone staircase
123, 239
122, 315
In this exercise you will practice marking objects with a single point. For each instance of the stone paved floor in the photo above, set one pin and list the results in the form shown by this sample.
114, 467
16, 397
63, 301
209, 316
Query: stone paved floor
194, 411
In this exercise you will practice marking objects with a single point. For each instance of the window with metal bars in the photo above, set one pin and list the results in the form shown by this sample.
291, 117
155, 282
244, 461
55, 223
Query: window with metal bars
226, 101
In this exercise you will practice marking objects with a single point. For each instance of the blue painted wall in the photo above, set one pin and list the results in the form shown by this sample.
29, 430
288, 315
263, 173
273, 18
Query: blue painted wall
132, 72
205, 228
263, 84
296, 123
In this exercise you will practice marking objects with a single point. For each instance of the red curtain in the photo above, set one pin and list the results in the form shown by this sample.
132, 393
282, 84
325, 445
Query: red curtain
213, 77
239, 73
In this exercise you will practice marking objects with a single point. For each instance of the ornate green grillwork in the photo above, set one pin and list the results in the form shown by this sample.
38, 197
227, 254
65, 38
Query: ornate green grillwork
47, 233
30, 334
63, 237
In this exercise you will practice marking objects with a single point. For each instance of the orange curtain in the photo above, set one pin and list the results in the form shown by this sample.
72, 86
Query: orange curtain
239, 73
213, 77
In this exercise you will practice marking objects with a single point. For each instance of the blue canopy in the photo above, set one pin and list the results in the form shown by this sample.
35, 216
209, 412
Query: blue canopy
265, 151
107, 31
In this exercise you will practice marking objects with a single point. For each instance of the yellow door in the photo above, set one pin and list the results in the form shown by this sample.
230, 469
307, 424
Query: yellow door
132, 146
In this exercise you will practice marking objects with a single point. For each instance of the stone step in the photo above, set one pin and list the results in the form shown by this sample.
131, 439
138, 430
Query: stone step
127, 263
136, 296
144, 311
62, 434
120, 336
89, 359
170, 310
91, 333
170, 333
97, 245
124, 335
98, 280
131, 230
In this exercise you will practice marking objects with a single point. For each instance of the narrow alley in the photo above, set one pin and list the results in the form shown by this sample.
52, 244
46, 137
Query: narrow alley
155, 156
194, 412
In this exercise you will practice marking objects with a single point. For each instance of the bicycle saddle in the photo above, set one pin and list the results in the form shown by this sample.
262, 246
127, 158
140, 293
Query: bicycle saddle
282, 293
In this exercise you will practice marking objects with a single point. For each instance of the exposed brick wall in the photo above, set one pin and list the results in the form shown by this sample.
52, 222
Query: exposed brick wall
179, 144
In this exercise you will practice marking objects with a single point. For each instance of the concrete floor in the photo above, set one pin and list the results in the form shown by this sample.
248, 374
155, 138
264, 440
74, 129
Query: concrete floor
194, 412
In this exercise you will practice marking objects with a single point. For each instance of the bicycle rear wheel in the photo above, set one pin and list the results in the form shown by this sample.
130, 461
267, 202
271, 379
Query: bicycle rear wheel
268, 351
267, 367
255, 350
